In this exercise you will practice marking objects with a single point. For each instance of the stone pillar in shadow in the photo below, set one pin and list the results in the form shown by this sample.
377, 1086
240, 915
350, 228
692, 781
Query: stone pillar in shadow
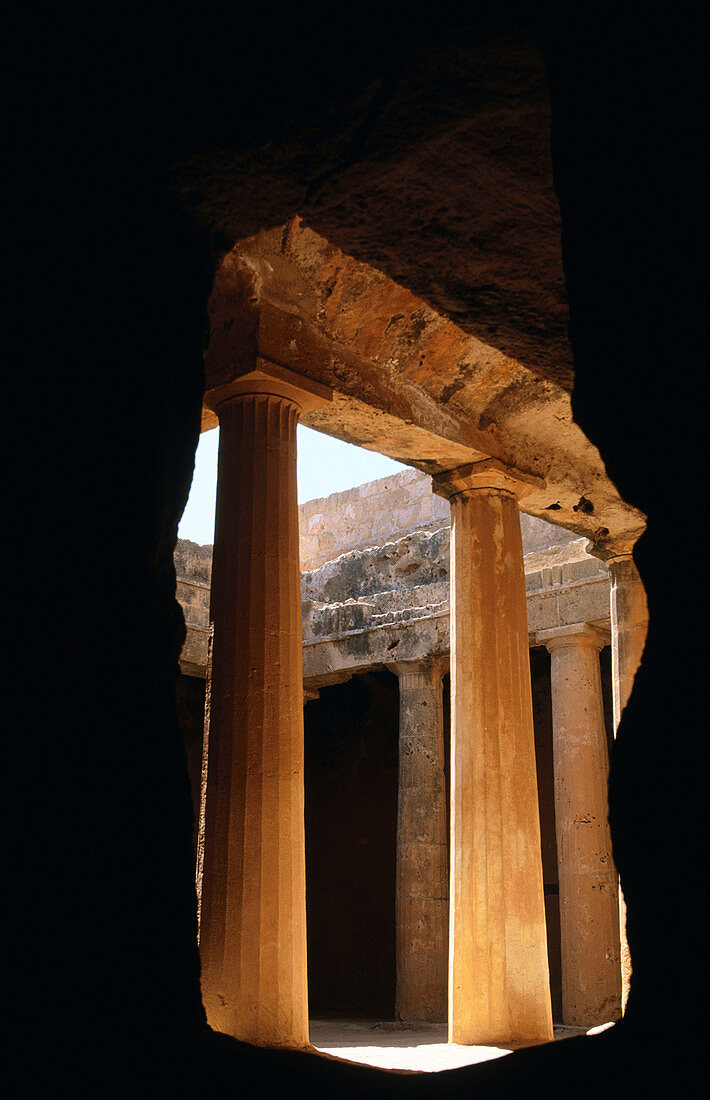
498, 972
629, 627
589, 901
422, 843
253, 905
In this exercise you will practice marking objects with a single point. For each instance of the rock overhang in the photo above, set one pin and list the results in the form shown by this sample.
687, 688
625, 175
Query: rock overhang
406, 380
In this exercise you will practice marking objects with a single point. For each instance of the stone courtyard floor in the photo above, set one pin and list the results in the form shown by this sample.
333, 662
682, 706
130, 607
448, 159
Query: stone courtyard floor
397, 1046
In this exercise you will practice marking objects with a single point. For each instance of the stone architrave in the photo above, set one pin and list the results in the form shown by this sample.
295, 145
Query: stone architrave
499, 989
589, 901
253, 907
422, 844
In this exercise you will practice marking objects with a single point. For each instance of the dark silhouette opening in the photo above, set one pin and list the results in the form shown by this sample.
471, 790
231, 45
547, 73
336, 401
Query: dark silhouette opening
351, 736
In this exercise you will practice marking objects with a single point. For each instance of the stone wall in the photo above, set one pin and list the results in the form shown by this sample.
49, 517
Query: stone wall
383, 510
375, 579
390, 603
193, 566
368, 515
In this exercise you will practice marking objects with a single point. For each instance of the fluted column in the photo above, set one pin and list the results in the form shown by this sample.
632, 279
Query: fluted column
253, 911
589, 901
498, 973
422, 861
629, 627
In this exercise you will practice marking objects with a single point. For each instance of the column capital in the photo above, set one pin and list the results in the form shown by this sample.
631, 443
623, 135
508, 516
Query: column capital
578, 634
271, 379
616, 549
421, 666
488, 474
310, 693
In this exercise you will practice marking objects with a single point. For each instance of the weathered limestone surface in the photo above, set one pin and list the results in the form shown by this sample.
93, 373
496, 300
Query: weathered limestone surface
193, 566
383, 510
194, 562
368, 515
498, 971
422, 845
489, 227
405, 614
389, 600
253, 931
589, 902
407, 380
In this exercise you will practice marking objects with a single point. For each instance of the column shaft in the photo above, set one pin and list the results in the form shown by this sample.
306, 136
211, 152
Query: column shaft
253, 933
629, 626
422, 862
589, 903
498, 972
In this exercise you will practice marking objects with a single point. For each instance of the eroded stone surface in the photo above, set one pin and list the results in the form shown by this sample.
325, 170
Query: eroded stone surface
458, 239
380, 511
388, 600
405, 380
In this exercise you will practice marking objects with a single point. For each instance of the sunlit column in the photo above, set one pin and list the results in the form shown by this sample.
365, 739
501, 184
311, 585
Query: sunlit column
499, 988
589, 901
253, 908
422, 862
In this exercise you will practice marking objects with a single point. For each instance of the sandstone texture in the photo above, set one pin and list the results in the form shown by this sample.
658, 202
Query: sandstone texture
478, 243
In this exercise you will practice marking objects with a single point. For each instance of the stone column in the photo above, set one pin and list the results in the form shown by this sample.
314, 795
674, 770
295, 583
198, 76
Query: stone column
253, 911
629, 626
589, 900
499, 988
422, 863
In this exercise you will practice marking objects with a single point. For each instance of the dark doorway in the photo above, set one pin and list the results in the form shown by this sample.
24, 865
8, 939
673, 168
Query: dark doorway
351, 739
